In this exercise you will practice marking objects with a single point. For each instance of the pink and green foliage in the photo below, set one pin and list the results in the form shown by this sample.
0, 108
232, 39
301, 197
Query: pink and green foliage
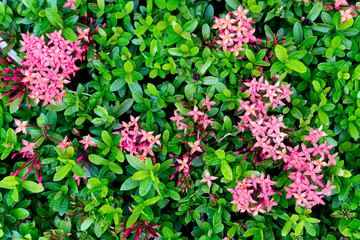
159, 120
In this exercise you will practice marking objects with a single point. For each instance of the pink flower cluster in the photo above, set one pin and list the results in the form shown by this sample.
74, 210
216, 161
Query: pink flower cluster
268, 133
234, 32
267, 130
136, 140
197, 124
48, 65
253, 194
307, 163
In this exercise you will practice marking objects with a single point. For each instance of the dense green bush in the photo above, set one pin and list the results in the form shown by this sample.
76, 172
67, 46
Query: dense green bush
179, 119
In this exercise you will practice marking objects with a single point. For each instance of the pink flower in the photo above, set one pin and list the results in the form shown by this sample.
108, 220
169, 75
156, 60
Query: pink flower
327, 188
27, 149
195, 146
346, 14
195, 113
77, 179
208, 103
83, 34
64, 144
70, 3
176, 118
87, 142
21, 126
208, 179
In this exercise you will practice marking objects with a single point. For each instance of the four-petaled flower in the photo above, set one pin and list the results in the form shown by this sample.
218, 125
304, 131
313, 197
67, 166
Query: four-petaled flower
195, 146
21, 126
83, 34
64, 144
208, 103
208, 179
87, 142
195, 113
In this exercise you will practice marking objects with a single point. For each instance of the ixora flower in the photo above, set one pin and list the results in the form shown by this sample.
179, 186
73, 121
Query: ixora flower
136, 140
87, 142
21, 126
70, 3
253, 194
234, 32
208, 179
45, 70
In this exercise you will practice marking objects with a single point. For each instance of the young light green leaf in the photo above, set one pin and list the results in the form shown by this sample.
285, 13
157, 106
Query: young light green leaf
62, 172
296, 65
281, 53
32, 186
97, 160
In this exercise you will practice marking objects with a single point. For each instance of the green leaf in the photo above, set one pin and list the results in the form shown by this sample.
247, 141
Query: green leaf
250, 55
152, 89
177, 28
69, 34
140, 175
54, 18
135, 162
286, 229
19, 213
153, 47
255, 8
129, 7
172, 4
336, 42
160, 4
298, 33
128, 67
205, 66
324, 118
32, 186
313, 220
77, 170
296, 113
115, 168
145, 186
129, 184
62, 172
106, 138
87, 223
97, 160
234, 4
315, 11
210, 80
190, 26
117, 84
353, 131
309, 42
133, 217
310, 229
125, 106
251, 232
281, 53
296, 65
226, 170
299, 228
